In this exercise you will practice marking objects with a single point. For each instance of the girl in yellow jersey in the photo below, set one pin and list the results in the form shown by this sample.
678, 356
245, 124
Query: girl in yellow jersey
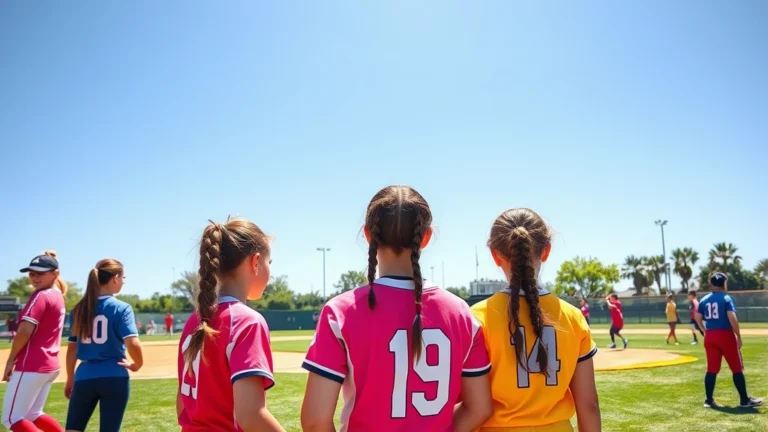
540, 346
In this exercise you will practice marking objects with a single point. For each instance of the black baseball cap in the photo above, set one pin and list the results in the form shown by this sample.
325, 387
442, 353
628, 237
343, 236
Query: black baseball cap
41, 263
718, 279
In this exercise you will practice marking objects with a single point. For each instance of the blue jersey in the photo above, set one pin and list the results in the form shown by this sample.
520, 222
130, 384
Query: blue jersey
714, 307
99, 354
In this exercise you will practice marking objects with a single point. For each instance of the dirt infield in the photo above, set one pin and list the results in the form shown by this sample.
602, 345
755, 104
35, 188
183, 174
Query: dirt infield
160, 360
680, 327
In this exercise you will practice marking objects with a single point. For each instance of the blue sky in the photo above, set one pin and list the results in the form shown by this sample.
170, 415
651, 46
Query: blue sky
124, 126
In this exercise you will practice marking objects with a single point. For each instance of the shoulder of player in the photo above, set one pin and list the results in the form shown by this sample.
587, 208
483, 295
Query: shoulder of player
118, 304
242, 315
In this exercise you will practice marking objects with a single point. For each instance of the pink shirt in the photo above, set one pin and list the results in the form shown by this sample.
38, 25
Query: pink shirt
617, 317
585, 310
368, 352
240, 350
45, 309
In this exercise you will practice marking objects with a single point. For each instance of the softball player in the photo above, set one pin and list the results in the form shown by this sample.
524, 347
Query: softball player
33, 363
102, 328
540, 347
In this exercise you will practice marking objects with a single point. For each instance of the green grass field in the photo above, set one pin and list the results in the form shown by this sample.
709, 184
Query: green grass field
659, 399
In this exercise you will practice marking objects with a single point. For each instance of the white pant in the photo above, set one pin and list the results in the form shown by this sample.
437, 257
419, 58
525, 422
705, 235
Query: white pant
25, 396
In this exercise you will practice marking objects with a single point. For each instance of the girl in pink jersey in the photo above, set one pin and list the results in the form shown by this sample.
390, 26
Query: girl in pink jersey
225, 362
33, 363
408, 355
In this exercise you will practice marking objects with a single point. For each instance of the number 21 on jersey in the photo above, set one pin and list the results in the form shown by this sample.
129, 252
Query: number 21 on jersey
439, 373
187, 389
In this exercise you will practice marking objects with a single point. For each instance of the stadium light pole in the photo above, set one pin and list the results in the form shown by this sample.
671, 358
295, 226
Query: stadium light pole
433, 273
324, 250
661, 224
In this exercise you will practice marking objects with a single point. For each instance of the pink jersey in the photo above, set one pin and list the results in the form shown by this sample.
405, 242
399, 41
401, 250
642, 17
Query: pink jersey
45, 309
368, 352
585, 310
617, 318
240, 350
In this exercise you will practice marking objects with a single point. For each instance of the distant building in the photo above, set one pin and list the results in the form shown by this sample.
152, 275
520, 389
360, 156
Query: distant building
484, 287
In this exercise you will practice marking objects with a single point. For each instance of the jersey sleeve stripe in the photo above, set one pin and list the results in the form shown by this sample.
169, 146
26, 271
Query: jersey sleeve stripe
131, 335
30, 319
476, 372
323, 371
588, 355
254, 372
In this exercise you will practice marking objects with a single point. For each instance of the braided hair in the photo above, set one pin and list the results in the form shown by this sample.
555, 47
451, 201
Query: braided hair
222, 249
520, 236
398, 218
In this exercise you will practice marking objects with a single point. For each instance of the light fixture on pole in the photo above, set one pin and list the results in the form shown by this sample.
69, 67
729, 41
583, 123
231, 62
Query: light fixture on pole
661, 224
324, 250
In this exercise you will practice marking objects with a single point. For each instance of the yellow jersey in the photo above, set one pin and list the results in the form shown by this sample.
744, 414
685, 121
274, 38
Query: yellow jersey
530, 399
671, 312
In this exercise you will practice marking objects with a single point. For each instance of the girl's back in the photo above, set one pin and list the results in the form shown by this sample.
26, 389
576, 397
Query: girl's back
522, 398
240, 349
368, 351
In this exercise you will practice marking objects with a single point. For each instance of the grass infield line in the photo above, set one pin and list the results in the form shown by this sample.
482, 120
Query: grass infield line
647, 365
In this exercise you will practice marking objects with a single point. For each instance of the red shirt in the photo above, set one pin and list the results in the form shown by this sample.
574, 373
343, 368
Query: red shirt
168, 321
616, 316
45, 309
585, 310
240, 350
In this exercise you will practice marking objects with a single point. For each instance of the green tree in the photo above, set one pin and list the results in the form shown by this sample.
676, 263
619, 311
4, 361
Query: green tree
349, 281
309, 301
73, 295
634, 269
722, 255
277, 284
685, 259
761, 271
186, 286
587, 276
657, 267
280, 300
460, 291
20, 287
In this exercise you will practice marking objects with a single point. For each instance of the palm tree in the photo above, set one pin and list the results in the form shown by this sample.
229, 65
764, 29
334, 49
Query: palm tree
761, 270
723, 254
685, 259
634, 268
657, 267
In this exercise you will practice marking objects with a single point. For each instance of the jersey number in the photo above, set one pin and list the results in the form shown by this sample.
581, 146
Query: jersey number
439, 372
712, 311
99, 332
186, 389
549, 339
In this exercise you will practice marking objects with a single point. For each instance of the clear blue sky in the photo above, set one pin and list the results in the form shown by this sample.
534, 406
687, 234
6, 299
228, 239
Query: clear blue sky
124, 126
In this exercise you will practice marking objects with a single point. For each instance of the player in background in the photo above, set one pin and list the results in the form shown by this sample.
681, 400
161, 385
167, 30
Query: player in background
102, 328
169, 324
33, 363
693, 306
617, 320
408, 355
541, 348
225, 361
585, 310
672, 318
722, 338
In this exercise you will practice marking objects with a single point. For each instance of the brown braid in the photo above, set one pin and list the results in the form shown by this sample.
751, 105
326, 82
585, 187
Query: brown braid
418, 285
84, 311
373, 249
222, 249
520, 236
398, 218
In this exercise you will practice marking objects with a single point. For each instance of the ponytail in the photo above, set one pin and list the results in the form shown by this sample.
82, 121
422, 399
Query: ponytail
373, 250
207, 296
523, 278
60, 283
85, 310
